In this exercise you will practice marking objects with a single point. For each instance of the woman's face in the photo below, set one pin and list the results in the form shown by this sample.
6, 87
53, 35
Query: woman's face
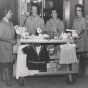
9, 14
34, 10
54, 14
78, 12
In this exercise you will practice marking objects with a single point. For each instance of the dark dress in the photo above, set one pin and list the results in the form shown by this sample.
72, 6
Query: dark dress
6, 54
36, 61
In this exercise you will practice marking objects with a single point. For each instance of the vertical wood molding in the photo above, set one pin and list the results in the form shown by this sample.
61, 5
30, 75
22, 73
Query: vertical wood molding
66, 13
80, 1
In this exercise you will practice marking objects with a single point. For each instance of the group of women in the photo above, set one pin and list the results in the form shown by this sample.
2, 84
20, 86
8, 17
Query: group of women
54, 26
35, 21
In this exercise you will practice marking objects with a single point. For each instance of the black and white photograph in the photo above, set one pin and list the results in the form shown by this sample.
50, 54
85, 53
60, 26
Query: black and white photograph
43, 43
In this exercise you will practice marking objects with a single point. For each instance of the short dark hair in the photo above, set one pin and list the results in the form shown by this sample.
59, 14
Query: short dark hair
4, 11
53, 8
80, 6
38, 7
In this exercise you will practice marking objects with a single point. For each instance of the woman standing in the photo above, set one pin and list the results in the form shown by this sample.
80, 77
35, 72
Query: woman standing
6, 42
86, 47
54, 26
80, 25
34, 21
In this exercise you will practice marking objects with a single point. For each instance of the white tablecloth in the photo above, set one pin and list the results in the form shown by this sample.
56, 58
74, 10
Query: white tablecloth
45, 41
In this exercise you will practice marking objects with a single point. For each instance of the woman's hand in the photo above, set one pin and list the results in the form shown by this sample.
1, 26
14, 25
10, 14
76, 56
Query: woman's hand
57, 30
13, 42
18, 36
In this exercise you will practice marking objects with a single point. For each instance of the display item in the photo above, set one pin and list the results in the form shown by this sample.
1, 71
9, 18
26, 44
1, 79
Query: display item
68, 54
36, 60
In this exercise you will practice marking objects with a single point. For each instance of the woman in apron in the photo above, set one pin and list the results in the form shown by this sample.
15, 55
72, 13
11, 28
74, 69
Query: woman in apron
54, 27
80, 25
34, 21
6, 42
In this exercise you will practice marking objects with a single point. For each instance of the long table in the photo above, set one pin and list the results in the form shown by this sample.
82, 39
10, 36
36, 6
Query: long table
45, 41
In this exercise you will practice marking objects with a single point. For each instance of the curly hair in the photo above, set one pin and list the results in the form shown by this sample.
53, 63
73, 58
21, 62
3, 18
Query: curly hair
4, 11
80, 6
53, 8
38, 7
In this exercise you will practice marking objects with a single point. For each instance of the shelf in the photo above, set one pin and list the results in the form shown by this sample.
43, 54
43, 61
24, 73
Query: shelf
54, 57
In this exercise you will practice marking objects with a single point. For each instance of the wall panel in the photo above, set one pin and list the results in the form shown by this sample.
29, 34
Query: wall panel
86, 7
